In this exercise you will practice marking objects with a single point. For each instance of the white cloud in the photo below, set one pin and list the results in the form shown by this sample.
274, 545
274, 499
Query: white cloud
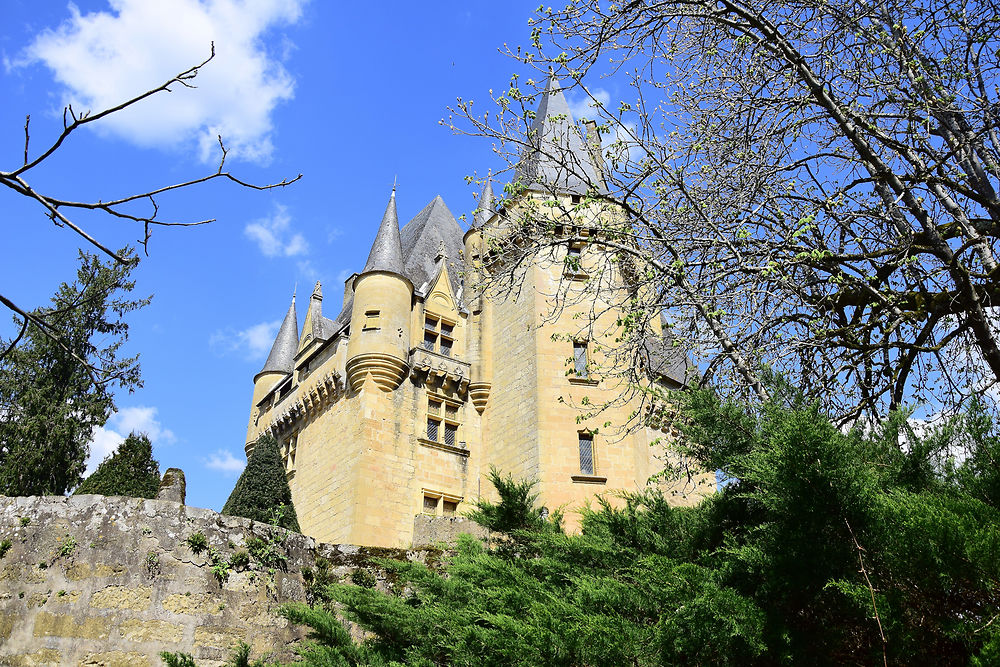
138, 419
104, 58
224, 461
274, 236
254, 342
623, 131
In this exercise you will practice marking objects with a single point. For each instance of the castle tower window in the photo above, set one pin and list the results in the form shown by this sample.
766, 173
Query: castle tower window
430, 504
439, 335
449, 507
442, 422
372, 320
580, 358
587, 466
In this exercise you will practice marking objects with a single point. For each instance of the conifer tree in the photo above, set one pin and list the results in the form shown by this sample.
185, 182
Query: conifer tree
130, 471
262, 492
57, 378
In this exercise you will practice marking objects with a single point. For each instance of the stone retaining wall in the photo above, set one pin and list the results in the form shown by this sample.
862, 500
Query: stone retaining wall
94, 580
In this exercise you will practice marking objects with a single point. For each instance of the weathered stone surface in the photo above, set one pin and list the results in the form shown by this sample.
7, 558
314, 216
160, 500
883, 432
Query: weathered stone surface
45, 656
122, 597
65, 625
151, 631
131, 586
115, 659
172, 486
193, 603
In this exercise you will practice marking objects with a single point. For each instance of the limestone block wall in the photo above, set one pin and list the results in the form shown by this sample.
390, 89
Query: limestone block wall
94, 580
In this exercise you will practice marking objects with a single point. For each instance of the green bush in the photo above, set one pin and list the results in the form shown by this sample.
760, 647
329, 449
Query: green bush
197, 542
262, 492
130, 471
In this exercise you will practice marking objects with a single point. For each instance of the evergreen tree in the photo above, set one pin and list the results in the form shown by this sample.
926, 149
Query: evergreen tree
130, 471
825, 547
262, 492
58, 378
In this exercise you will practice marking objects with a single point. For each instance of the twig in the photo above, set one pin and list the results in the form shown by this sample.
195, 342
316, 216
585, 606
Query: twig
871, 590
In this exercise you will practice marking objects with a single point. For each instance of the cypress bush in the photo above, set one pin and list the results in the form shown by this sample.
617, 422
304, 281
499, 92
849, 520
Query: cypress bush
130, 471
262, 492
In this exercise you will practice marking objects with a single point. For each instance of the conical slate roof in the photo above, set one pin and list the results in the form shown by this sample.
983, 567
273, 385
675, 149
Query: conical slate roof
387, 253
422, 238
487, 204
556, 157
286, 344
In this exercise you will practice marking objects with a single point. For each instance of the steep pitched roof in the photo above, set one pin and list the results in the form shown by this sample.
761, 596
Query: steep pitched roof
286, 343
422, 238
556, 156
486, 206
387, 253
665, 359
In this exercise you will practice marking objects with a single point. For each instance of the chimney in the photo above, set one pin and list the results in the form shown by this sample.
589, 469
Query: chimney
593, 141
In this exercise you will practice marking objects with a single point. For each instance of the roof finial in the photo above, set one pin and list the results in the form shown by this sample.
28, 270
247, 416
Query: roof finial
393, 186
295, 290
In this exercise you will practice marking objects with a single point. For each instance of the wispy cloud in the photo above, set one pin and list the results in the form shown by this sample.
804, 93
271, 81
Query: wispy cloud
103, 58
253, 343
224, 461
621, 140
137, 419
274, 236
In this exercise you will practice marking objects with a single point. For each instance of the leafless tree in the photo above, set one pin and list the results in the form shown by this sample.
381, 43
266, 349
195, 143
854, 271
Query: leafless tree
60, 211
807, 188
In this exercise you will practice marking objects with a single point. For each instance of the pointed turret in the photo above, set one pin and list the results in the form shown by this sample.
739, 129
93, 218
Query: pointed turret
387, 251
285, 345
487, 204
279, 365
312, 328
556, 157
379, 343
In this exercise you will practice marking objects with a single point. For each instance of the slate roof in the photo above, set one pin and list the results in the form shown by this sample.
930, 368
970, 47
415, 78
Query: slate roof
486, 205
556, 157
286, 344
386, 253
665, 359
421, 239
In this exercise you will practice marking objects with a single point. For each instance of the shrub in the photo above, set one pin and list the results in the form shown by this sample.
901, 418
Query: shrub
197, 542
263, 488
129, 471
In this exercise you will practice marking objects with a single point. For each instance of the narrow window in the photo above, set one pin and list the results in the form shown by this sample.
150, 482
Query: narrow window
448, 507
580, 358
586, 454
432, 429
446, 344
450, 433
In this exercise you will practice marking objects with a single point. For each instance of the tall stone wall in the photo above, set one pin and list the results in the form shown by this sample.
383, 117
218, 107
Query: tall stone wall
94, 580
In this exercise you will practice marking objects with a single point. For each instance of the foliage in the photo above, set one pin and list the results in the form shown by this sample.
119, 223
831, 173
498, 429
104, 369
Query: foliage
49, 400
806, 187
197, 542
822, 543
129, 471
5, 546
262, 489
177, 659
239, 657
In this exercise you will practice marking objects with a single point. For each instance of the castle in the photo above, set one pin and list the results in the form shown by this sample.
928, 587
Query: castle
401, 403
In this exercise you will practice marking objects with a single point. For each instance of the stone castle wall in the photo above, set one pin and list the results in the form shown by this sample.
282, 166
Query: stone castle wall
94, 580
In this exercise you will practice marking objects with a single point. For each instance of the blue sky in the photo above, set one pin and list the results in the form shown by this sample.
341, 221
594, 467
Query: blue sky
348, 94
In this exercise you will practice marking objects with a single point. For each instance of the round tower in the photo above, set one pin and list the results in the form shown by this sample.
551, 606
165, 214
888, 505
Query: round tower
380, 317
278, 366
482, 357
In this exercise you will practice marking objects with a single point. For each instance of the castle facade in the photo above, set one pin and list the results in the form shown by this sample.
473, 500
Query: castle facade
401, 403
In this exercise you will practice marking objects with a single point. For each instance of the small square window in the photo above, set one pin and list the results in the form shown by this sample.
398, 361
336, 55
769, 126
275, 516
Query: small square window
449, 507
430, 505
372, 320
586, 454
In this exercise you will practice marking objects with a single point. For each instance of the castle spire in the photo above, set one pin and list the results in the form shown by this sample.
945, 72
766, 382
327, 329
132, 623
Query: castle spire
282, 355
555, 157
387, 250
487, 204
